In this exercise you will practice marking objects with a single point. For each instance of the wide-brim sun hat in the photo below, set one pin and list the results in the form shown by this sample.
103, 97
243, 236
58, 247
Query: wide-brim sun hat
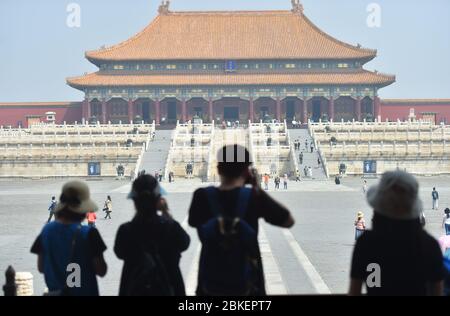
360, 214
396, 196
76, 197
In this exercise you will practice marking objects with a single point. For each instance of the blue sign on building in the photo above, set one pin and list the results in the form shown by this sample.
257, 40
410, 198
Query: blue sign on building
370, 167
230, 66
94, 169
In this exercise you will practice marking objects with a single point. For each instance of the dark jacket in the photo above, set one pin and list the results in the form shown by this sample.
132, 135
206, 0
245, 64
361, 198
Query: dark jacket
169, 237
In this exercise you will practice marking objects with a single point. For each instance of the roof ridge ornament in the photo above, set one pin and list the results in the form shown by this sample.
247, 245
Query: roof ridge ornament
164, 7
297, 7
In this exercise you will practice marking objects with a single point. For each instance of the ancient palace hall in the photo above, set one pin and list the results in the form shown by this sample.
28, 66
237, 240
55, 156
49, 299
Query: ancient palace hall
237, 65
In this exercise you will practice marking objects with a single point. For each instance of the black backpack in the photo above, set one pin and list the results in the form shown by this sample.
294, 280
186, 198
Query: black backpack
228, 263
148, 275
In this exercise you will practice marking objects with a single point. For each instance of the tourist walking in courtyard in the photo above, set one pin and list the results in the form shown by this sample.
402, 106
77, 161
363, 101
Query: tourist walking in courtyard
108, 207
266, 182
65, 241
150, 245
397, 255
236, 270
446, 221
160, 175
285, 181
435, 197
277, 182
312, 147
51, 209
318, 162
297, 176
300, 158
360, 225
310, 172
364, 188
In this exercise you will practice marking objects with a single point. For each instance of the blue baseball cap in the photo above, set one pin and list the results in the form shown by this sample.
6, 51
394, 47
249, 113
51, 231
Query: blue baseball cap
146, 183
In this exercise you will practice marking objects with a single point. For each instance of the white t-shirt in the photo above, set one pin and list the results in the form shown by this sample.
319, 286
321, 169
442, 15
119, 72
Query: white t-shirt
446, 220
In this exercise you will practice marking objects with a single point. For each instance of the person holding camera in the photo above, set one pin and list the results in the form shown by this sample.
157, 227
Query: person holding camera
228, 215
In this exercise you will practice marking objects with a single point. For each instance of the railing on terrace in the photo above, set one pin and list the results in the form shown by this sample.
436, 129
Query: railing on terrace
373, 125
390, 149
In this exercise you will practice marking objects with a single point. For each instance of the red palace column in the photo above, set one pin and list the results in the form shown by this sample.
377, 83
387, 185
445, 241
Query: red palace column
157, 111
251, 110
130, 111
278, 109
358, 108
210, 109
89, 110
377, 108
103, 112
331, 109
85, 110
305, 111
183, 111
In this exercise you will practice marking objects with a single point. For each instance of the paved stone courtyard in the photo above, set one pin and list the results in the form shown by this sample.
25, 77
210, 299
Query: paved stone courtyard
313, 257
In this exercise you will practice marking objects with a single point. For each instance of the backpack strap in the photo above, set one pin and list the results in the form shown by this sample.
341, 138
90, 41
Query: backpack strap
213, 199
243, 201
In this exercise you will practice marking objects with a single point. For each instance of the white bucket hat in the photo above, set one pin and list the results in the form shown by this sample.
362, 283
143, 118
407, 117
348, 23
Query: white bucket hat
76, 197
396, 196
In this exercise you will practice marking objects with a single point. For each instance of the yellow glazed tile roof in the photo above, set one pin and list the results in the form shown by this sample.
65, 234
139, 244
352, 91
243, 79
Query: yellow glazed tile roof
360, 77
236, 35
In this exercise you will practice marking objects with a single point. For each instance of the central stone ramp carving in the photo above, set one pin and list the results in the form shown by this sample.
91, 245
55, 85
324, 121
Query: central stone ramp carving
191, 146
221, 138
271, 149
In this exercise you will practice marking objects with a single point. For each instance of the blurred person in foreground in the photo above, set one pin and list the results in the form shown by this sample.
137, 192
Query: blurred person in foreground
151, 244
65, 246
397, 257
226, 218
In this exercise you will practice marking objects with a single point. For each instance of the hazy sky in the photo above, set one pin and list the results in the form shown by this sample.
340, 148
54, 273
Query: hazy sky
38, 51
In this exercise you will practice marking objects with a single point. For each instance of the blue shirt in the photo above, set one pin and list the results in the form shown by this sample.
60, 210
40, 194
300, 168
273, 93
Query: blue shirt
54, 244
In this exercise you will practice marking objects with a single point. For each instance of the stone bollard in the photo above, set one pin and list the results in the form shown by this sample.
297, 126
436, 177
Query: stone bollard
24, 284
10, 288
